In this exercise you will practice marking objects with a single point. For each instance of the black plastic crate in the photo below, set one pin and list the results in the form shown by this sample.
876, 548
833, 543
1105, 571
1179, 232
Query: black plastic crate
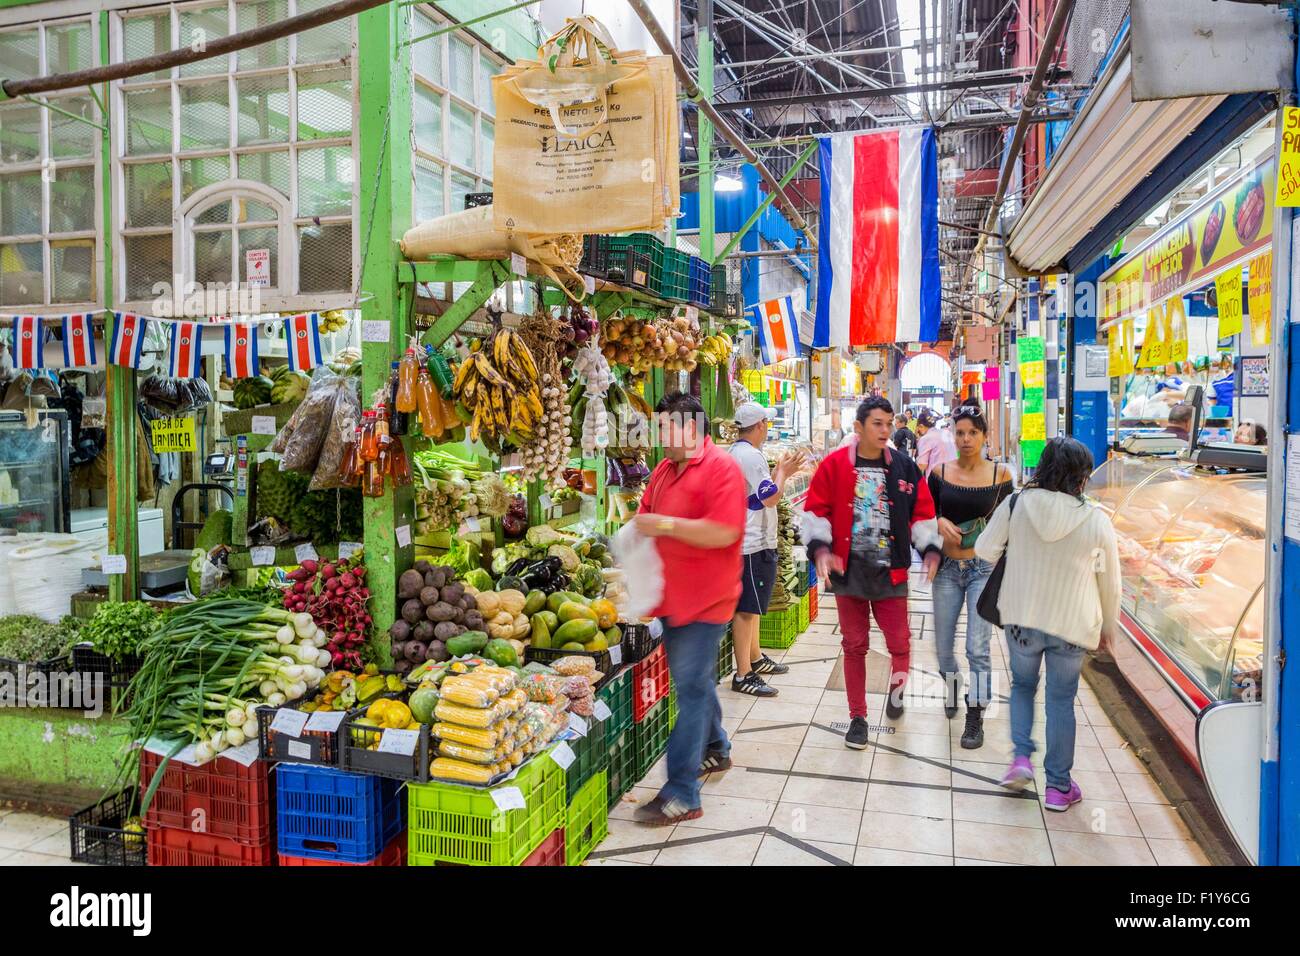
316, 747
98, 833
474, 200
20, 673
596, 256
638, 270
549, 655
726, 655
638, 643
117, 673
355, 740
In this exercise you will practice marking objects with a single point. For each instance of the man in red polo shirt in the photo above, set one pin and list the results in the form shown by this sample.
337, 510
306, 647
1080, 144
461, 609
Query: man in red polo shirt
694, 505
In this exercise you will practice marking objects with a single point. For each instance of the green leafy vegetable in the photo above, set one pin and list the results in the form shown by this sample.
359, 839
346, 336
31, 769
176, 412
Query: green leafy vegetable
119, 628
24, 637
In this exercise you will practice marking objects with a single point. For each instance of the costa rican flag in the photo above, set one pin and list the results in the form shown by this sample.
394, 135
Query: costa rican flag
127, 345
241, 351
778, 329
78, 342
303, 335
878, 256
29, 342
185, 357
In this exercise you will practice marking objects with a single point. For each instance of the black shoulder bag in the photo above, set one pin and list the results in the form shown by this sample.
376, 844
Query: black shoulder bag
987, 606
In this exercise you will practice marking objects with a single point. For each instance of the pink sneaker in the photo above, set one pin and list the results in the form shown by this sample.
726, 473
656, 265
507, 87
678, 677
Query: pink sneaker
1019, 775
1061, 801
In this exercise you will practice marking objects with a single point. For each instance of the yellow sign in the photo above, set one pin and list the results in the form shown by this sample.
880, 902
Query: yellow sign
1228, 289
1176, 327
1288, 172
1155, 340
1033, 427
1120, 340
173, 434
1260, 294
1033, 374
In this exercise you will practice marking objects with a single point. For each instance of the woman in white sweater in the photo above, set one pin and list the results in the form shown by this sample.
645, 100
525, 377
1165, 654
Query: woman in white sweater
1059, 598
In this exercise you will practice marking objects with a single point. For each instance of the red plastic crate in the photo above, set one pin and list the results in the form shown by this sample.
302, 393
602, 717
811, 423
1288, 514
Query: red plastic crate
550, 853
812, 604
169, 846
222, 798
394, 855
649, 682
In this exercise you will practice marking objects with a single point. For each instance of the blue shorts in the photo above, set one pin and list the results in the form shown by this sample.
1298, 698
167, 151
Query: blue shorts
757, 576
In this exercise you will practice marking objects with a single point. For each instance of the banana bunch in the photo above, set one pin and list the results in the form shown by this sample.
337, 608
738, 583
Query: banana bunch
715, 350
498, 390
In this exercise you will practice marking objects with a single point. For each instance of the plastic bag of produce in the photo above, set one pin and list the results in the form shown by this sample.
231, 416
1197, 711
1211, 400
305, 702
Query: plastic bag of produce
310, 423
342, 430
643, 571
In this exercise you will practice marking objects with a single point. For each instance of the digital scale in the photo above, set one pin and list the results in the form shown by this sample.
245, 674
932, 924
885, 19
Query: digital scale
1153, 442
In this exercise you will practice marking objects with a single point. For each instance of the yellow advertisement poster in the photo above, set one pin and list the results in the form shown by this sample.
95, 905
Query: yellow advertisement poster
1228, 289
1260, 295
1034, 374
1033, 427
1288, 175
1120, 341
1176, 325
172, 434
1155, 340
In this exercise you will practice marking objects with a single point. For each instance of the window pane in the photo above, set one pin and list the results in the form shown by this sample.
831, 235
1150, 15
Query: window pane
148, 262
69, 138
427, 116
72, 270
67, 48
486, 70
426, 56
487, 134
145, 36
250, 14
20, 53
259, 239
72, 199
250, 210
197, 173
325, 181
461, 186
149, 194
20, 204
215, 215
324, 104
462, 68
325, 257
197, 28
212, 257
329, 42
149, 121
20, 133
271, 169
205, 115
460, 141
263, 109
21, 274
429, 201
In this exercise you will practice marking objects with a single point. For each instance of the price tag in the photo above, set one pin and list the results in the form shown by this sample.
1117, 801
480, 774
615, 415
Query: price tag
656, 628
114, 564
578, 725
693, 314
245, 754
263, 424
518, 265
616, 654
262, 556
544, 501
376, 330
404, 536
299, 750
508, 798
601, 710
305, 552
400, 742
348, 548
289, 721
589, 283
563, 754
325, 720
470, 525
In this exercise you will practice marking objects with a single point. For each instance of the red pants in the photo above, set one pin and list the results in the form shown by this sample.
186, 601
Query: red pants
855, 625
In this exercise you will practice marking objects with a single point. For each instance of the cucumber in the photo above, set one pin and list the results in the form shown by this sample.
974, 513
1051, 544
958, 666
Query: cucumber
578, 631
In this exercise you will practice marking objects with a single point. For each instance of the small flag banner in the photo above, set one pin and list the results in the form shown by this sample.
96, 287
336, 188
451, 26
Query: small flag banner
28, 343
185, 353
127, 345
778, 331
302, 333
78, 341
241, 351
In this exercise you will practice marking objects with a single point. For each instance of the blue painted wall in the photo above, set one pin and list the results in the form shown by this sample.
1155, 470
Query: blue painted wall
1089, 410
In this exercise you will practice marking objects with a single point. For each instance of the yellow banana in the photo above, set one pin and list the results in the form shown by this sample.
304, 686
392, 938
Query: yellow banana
486, 369
525, 357
501, 349
462, 374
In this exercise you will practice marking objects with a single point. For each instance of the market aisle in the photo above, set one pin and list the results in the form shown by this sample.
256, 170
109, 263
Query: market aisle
798, 797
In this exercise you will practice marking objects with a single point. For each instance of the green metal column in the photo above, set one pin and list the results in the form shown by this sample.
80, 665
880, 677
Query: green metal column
383, 213
704, 55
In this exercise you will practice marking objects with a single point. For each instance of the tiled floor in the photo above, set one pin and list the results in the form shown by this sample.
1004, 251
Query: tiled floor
27, 839
798, 797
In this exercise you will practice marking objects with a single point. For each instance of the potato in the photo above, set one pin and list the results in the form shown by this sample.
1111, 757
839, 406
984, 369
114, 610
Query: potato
442, 611
412, 611
436, 651
423, 566
423, 631
400, 631
452, 593
408, 585
445, 631
435, 578
416, 651
429, 596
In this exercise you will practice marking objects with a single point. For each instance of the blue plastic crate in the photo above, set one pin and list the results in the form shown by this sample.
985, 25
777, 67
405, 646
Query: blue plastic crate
701, 283
325, 814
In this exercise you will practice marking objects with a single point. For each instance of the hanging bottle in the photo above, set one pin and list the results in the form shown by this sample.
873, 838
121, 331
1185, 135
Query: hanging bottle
372, 485
399, 423
351, 467
440, 370
369, 440
404, 400
430, 422
399, 466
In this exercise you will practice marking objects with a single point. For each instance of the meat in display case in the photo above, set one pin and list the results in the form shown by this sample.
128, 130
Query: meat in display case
1192, 556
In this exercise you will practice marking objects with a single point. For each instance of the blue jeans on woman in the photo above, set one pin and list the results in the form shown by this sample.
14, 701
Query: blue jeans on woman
693, 662
958, 582
1027, 647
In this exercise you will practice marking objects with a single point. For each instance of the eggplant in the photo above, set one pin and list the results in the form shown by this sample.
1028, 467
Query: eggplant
516, 567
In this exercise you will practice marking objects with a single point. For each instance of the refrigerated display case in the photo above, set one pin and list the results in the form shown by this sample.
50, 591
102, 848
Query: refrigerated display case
1192, 559
35, 493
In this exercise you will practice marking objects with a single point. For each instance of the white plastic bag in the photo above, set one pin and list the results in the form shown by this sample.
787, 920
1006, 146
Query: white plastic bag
643, 571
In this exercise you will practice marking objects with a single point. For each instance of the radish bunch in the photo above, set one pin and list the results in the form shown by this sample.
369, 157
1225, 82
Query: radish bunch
335, 595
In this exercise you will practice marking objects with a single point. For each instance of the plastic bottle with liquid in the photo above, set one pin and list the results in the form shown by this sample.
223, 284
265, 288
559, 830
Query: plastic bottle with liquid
440, 369
399, 465
404, 400
369, 439
399, 423
431, 425
351, 467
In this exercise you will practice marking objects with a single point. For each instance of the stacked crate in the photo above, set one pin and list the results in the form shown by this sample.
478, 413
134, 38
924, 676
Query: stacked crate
332, 816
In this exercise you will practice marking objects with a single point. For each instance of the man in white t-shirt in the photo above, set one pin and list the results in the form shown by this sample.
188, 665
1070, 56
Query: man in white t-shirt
758, 573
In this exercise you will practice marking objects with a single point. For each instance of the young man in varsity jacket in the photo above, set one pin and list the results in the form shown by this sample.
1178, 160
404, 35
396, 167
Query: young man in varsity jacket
867, 507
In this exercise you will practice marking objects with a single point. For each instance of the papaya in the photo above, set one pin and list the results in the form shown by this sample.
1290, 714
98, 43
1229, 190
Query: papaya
606, 613
613, 635
551, 618
572, 610
573, 646
471, 642
541, 634
422, 703
536, 601
555, 600
501, 652
579, 630
597, 643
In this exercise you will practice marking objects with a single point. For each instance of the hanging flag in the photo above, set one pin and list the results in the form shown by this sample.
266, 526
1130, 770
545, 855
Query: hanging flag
303, 335
778, 331
28, 343
78, 342
878, 249
127, 345
241, 351
185, 356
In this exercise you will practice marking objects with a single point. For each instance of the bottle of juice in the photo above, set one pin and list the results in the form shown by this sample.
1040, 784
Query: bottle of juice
430, 424
404, 401
350, 468
398, 422
399, 466
372, 485
369, 440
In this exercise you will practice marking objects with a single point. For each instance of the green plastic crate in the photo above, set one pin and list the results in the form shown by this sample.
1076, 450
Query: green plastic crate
779, 628
589, 757
453, 824
621, 773
763, 398
587, 821
652, 736
648, 245
675, 283
726, 655
672, 710
803, 613
617, 695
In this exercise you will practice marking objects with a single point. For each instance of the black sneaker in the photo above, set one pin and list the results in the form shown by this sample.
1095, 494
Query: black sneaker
765, 665
972, 737
714, 762
951, 691
894, 704
858, 734
753, 685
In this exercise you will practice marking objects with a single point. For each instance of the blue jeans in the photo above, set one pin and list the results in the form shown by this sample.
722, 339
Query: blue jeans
958, 582
1027, 647
693, 662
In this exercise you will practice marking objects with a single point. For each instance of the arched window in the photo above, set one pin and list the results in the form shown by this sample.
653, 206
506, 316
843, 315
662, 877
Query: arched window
925, 371
231, 229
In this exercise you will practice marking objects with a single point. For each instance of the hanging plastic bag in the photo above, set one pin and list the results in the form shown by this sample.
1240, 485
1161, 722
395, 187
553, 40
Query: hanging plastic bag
643, 570
311, 422
342, 430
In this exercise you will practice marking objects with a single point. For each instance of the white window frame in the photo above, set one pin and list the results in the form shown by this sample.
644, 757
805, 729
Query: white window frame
204, 199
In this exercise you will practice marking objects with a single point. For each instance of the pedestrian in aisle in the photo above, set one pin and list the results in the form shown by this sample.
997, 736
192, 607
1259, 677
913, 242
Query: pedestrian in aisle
934, 445
966, 492
866, 508
694, 505
1059, 598
903, 438
758, 551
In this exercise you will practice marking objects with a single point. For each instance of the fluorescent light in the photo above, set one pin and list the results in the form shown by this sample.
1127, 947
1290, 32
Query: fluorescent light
728, 184
687, 134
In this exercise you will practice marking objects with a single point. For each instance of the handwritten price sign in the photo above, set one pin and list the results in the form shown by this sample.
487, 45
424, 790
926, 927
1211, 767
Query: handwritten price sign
1288, 166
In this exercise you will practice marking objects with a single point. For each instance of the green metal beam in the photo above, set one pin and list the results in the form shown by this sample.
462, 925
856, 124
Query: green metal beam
762, 207
461, 24
491, 274
444, 269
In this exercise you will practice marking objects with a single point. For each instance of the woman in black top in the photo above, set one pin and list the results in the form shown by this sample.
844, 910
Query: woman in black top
965, 492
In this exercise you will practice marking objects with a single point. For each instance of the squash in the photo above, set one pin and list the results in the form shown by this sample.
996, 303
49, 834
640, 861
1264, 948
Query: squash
512, 601
489, 602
